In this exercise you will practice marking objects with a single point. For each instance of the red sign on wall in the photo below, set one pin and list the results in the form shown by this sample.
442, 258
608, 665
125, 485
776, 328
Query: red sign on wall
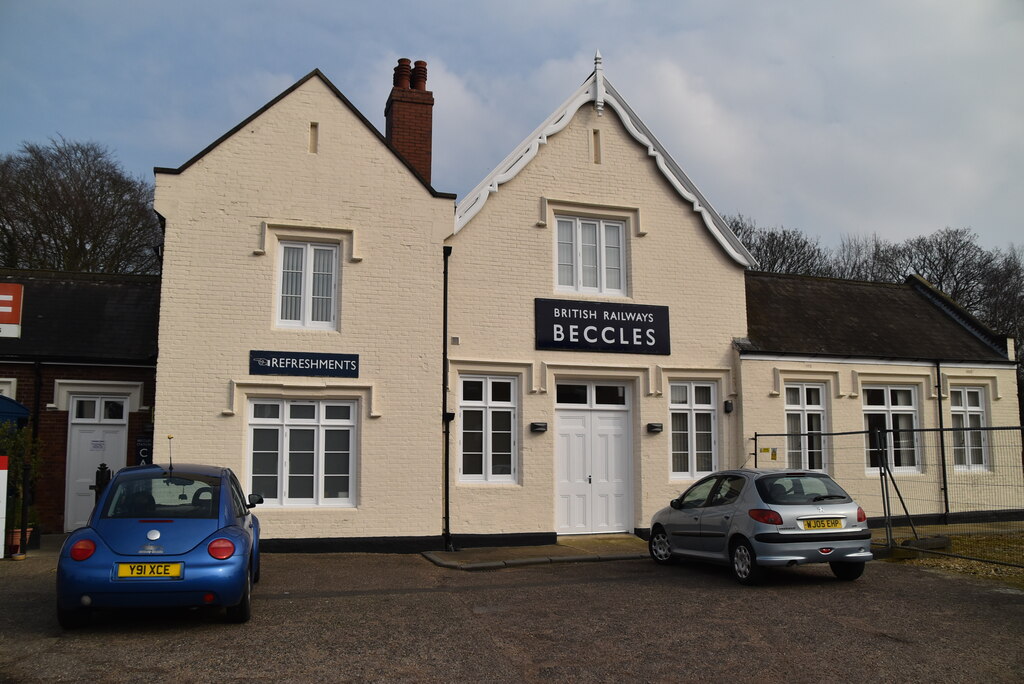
10, 309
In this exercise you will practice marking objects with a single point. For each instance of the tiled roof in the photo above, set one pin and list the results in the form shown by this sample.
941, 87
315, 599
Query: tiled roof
844, 318
85, 317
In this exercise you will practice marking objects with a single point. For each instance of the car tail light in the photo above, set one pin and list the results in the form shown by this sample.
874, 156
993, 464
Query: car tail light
763, 515
82, 549
861, 516
220, 549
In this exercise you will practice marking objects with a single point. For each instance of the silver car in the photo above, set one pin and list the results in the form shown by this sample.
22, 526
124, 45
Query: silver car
752, 519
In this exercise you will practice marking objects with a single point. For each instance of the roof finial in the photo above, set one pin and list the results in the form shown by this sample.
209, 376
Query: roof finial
599, 83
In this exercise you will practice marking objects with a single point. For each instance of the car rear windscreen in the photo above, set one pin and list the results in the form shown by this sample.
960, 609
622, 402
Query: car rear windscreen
163, 495
799, 489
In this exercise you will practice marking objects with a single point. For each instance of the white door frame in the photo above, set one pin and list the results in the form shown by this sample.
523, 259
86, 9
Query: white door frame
582, 486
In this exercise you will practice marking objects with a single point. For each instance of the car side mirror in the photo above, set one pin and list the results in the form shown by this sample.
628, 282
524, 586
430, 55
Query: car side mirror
255, 500
676, 504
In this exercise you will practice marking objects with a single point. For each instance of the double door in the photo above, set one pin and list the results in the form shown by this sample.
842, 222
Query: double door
593, 471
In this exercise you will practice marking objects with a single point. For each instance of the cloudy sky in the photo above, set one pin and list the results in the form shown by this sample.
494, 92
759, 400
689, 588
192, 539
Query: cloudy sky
895, 117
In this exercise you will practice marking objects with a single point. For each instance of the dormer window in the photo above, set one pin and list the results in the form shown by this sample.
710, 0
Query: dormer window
591, 255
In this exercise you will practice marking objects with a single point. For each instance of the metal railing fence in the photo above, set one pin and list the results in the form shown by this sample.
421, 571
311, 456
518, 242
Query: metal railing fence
921, 482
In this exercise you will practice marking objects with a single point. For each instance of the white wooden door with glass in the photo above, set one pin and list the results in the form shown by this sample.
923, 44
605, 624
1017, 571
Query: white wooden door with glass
98, 433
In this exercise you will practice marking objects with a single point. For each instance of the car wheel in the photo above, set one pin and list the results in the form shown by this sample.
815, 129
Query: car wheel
73, 618
847, 571
744, 564
243, 611
658, 547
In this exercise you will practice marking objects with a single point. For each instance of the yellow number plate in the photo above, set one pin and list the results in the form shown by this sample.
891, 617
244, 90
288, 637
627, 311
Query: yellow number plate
149, 570
823, 523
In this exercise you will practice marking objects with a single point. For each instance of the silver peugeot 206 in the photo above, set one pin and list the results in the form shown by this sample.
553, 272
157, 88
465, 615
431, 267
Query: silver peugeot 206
753, 519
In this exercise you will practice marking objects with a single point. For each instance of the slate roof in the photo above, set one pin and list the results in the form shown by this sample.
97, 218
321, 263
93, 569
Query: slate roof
85, 318
800, 315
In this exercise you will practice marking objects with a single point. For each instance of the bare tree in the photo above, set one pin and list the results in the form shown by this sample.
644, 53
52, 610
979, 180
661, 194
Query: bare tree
69, 206
781, 250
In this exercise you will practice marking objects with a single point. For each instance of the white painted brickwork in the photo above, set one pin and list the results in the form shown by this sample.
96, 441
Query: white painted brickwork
219, 298
502, 261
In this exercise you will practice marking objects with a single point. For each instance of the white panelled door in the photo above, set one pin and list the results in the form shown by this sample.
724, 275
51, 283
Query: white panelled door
592, 471
98, 434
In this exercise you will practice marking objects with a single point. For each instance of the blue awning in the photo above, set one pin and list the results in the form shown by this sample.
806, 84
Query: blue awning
11, 410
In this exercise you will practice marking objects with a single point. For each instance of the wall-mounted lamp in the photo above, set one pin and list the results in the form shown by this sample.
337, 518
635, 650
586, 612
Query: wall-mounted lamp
727, 407
538, 427
655, 427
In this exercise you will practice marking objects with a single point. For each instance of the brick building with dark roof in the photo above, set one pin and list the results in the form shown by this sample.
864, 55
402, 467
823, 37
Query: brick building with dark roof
84, 366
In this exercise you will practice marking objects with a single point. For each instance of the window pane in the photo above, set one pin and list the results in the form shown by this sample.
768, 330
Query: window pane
974, 399
472, 464
473, 420
113, 410
291, 284
472, 390
702, 395
336, 487
264, 463
267, 411
588, 243
613, 257
501, 391
874, 397
85, 408
301, 440
902, 397
501, 464
265, 486
680, 394
501, 443
473, 443
566, 254
793, 396
336, 464
502, 421
300, 487
610, 395
571, 394
956, 398
264, 439
814, 396
300, 463
302, 411
336, 412
323, 285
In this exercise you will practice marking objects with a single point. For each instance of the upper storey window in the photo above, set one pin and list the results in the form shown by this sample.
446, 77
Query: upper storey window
308, 286
591, 255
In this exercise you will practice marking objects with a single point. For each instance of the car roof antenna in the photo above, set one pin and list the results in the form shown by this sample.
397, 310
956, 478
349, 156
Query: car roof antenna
170, 454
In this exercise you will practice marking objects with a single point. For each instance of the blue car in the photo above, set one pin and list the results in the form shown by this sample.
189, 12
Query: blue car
181, 535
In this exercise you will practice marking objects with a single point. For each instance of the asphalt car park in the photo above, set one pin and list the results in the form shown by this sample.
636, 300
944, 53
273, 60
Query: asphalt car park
354, 617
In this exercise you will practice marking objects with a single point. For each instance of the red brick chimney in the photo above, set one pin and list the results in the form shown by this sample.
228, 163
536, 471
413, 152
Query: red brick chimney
409, 116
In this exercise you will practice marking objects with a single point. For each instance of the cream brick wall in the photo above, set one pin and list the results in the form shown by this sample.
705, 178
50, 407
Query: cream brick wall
218, 303
502, 261
763, 383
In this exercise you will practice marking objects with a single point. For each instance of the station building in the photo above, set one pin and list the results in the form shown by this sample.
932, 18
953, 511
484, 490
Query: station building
561, 351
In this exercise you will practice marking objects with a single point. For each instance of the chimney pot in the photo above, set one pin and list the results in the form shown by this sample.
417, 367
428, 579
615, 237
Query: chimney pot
402, 74
419, 75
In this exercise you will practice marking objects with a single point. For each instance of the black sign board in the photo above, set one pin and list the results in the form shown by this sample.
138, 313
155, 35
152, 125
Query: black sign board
144, 449
601, 326
302, 363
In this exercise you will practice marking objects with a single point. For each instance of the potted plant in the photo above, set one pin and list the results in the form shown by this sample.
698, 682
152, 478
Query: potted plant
23, 452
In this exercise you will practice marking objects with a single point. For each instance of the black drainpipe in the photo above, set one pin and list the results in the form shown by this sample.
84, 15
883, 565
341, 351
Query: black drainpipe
446, 417
942, 444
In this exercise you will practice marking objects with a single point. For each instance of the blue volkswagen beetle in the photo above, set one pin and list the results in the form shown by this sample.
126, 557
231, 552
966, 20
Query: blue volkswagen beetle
163, 536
